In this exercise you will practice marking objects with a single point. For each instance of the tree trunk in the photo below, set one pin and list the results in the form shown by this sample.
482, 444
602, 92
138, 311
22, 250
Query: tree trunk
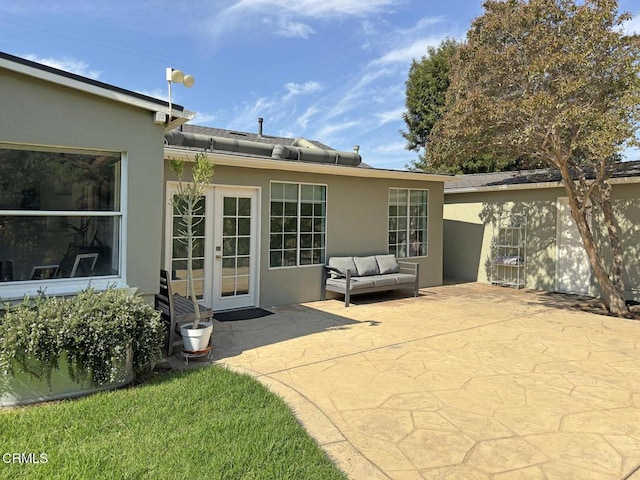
616, 302
612, 289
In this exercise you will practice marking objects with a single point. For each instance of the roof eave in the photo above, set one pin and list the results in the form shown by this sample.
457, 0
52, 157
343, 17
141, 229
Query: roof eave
304, 167
530, 186
77, 82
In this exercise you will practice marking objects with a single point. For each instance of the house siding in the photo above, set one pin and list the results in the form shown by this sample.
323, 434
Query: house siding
36, 112
469, 219
357, 210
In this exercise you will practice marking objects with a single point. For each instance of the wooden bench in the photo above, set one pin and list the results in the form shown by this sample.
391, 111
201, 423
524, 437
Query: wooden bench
175, 310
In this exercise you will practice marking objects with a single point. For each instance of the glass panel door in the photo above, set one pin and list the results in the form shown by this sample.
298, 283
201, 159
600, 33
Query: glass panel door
235, 248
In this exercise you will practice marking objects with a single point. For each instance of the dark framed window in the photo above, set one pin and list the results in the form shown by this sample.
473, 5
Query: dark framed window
408, 220
298, 219
60, 214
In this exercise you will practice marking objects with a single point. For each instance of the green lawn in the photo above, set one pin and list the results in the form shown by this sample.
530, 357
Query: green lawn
206, 423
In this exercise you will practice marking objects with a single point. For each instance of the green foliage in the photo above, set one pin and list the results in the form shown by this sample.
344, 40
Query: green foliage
552, 80
425, 95
188, 206
241, 431
95, 329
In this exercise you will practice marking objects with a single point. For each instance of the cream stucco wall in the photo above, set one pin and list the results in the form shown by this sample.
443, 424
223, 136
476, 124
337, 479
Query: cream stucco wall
356, 225
35, 112
469, 220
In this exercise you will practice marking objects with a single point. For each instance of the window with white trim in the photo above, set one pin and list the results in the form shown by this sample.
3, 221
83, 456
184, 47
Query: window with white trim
60, 214
408, 218
298, 224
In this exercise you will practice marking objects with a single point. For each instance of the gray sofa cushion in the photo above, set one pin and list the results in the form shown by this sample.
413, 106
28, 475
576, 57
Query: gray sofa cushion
366, 266
355, 284
386, 280
387, 264
343, 264
404, 278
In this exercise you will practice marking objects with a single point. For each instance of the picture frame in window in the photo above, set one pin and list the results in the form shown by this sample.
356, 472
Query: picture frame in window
44, 272
84, 264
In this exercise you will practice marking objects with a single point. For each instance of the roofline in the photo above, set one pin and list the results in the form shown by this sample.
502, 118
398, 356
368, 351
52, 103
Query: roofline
530, 186
93, 87
304, 167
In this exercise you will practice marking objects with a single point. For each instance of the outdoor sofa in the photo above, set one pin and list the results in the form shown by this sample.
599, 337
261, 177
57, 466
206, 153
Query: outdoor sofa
376, 273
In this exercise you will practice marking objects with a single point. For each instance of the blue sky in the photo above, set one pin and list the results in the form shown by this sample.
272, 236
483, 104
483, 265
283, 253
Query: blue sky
328, 70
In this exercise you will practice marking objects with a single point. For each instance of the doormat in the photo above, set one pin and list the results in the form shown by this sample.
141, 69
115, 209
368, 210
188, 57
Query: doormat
243, 314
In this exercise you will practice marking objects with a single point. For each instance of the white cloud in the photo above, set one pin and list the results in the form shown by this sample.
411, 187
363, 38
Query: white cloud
155, 93
304, 119
285, 27
289, 18
315, 8
405, 54
389, 116
328, 131
302, 88
394, 147
204, 119
67, 64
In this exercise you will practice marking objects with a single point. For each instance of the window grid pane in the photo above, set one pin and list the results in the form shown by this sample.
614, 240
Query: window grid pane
297, 224
408, 219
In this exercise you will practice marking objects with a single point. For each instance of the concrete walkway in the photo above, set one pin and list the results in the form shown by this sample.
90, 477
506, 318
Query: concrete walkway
465, 382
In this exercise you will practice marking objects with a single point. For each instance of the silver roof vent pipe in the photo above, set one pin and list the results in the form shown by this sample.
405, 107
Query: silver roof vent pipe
260, 120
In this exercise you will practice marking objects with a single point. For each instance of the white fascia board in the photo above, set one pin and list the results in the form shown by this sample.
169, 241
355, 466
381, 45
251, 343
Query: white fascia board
97, 90
304, 167
531, 186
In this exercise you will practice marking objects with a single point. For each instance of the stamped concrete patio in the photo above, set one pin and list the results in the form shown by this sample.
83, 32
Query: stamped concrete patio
465, 382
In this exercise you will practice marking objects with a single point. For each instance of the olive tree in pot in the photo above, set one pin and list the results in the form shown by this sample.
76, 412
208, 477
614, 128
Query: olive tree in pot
188, 207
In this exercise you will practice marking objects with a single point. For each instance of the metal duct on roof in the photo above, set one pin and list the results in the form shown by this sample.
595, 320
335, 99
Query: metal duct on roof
316, 155
280, 152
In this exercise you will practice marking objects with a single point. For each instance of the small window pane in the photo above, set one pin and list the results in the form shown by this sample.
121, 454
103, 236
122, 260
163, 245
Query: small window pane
230, 207
290, 208
275, 259
306, 209
289, 258
244, 226
291, 224
277, 225
229, 227
277, 208
244, 207
277, 191
244, 245
306, 192
291, 191
229, 247
275, 242
306, 225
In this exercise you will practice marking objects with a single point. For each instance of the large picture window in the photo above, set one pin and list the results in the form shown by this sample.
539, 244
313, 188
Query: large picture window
408, 215
60, 215
298, 224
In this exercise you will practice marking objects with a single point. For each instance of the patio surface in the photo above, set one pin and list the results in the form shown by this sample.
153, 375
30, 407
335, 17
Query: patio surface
467, 381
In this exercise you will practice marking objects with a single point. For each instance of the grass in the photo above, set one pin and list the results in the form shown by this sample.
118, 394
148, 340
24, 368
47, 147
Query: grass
206, 423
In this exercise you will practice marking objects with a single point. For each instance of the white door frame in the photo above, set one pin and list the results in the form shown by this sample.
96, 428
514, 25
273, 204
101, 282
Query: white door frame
563, 208
211, 298
251, 299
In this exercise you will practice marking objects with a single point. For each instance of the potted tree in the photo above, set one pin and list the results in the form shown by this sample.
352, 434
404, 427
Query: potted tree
188, 205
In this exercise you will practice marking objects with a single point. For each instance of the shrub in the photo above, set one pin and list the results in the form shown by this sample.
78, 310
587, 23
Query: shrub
94, 329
